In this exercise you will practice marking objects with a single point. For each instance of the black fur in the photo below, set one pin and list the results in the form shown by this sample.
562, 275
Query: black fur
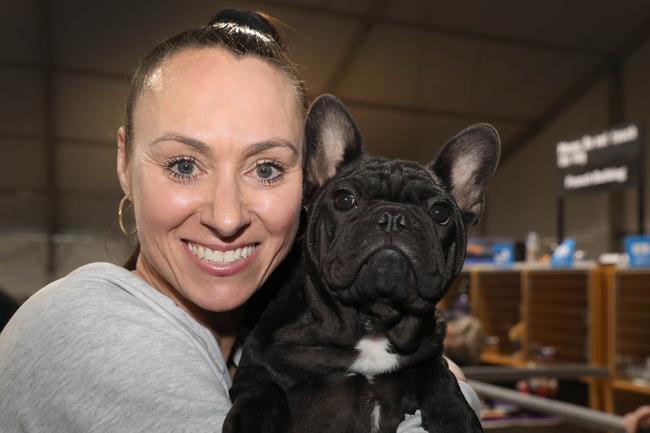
378, 253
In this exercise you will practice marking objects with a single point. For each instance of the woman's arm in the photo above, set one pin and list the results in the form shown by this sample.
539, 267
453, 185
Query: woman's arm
94, 359
468, 391
413, 423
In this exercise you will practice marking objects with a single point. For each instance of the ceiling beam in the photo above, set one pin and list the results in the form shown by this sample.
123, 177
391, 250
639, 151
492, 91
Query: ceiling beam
94, 73
505, 40
35, 192
61, 140
49, 127
354, 46
574, 93
20, 64
434, 112
60, 69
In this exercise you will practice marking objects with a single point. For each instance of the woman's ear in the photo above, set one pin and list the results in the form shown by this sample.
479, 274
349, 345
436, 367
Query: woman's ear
122, 162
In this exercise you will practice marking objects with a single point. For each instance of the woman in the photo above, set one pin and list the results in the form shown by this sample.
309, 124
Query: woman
210, 158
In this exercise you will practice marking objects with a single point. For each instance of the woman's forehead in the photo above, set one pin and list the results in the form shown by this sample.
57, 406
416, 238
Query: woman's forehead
203, 91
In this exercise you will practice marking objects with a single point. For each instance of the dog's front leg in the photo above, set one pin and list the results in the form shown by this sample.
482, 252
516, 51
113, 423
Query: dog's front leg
444, 408
262, 408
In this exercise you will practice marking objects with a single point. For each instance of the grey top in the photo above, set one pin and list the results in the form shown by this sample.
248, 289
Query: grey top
102, 351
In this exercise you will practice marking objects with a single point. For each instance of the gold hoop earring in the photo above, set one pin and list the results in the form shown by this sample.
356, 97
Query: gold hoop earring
120, 218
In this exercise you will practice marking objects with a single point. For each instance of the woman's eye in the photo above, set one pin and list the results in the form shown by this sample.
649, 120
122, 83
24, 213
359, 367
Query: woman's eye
182, 169
440, 214
269, 172
186, 168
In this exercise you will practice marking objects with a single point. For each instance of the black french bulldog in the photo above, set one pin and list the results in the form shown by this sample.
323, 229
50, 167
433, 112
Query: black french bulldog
352, 342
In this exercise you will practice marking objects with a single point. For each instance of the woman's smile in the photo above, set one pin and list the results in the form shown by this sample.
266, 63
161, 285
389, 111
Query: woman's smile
223, 257
225, 262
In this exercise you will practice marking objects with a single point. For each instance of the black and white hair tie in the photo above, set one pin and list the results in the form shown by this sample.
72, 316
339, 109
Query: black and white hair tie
232, 27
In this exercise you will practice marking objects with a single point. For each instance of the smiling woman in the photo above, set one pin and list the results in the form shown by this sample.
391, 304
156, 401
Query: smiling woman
210, 158
206, 171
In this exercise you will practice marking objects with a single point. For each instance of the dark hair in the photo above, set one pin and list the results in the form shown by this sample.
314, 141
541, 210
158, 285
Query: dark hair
242, 33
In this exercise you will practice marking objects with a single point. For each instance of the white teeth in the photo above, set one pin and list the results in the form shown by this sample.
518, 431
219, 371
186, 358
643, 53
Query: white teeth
221, 256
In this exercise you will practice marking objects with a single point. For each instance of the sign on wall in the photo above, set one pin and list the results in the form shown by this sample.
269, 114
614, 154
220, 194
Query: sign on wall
608, 160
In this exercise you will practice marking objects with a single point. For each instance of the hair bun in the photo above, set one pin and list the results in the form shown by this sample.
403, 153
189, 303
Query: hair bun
256, 21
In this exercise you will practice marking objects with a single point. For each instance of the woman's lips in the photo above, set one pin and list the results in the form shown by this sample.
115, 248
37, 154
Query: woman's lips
221, 263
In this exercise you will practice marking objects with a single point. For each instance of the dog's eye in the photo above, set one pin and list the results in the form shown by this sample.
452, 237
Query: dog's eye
344, 200
440, 214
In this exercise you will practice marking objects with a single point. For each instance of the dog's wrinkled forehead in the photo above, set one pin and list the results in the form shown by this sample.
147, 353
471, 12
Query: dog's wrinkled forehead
402, 181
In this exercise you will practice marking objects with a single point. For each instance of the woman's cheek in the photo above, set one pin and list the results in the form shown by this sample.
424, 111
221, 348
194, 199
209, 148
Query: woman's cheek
280, 208
166, 206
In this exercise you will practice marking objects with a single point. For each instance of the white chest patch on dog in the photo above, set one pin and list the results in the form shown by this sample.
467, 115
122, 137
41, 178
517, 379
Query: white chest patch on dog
374, 357
376, 418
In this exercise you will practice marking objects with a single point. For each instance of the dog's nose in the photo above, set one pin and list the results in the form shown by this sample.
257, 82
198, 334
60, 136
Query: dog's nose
392, 221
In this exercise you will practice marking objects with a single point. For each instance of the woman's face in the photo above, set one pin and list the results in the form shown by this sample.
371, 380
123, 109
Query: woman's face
214, 175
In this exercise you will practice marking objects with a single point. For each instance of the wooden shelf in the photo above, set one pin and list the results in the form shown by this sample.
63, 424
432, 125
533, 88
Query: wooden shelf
626, 385
591, 314
496, 299
526, 308
488, 357
628, 334
560, 311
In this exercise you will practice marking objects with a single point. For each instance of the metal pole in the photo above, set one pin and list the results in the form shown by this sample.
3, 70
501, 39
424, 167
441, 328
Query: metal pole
558, 371
560, 220
47, 36
570, 413
616, 109
641, 186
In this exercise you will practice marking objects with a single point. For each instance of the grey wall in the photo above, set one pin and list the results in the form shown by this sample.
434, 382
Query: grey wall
522, 196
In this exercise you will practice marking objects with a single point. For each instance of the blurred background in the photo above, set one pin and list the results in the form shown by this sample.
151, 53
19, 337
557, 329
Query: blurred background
413, 74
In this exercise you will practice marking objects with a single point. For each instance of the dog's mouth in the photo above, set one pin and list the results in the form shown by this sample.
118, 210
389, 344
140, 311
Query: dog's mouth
385, 288
390, 296
386, 274
378, 317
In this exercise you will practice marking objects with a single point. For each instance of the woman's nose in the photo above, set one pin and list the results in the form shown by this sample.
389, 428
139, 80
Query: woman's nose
226, 210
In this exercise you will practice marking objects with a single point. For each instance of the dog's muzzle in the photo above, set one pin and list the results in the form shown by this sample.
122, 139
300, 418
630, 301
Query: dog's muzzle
387, 274
384, 263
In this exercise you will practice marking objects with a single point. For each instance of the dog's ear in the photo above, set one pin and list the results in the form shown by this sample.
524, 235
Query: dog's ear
464, 166
331, 139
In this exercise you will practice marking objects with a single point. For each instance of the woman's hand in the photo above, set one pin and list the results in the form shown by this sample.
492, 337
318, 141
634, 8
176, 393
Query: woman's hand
413, 423
456, 370
637, 421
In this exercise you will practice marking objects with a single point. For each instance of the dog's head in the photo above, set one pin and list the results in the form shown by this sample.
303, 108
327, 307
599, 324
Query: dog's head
388, 236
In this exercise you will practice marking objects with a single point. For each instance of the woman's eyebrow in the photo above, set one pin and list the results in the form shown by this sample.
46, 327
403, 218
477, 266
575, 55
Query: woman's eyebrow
195, 144
250, 150
256, 148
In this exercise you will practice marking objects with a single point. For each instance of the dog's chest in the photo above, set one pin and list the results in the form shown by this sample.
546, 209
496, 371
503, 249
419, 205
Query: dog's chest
367, 398
374, 357
349, 403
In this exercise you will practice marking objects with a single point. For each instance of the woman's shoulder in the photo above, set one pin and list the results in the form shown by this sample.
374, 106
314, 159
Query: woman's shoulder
102, 345
102, 301
104, 311
97, 286
102, 286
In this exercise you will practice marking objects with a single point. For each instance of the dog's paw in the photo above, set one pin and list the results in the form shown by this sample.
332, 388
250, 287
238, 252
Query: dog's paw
263, 411
452, 426
248, 418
